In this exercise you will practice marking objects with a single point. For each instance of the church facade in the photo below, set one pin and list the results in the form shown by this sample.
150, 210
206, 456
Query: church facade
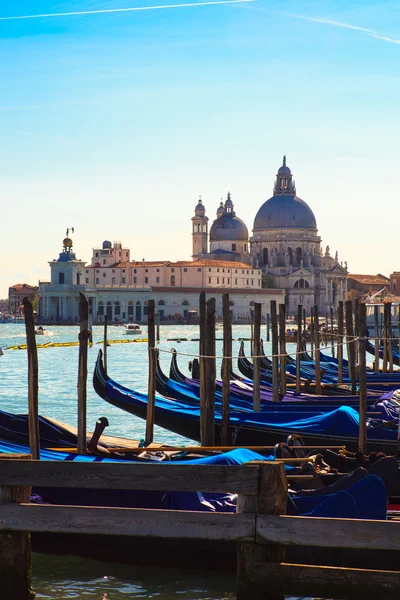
285, 245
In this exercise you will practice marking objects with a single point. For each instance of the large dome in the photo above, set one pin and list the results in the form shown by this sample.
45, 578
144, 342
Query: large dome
285, 211
228, 227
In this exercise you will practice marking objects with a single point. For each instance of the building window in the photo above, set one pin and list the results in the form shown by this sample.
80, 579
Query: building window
172, 280
185, 303
235, 281
113, 270
161, 303
229, 281
217, 279
61, 278
97, 271
252, 273
87, 280
172, 270
199, 269
123, 270
242, 271
100, 309
245, 247
97, 280
146, 280
247, 282
158, 270
146, 270
209, 280
135, 270
185, 269
87, 270
123, 280
252, 282
104, 274
157, 280
113, 280
233, 247
135, 280
223, 280
97, 254
117, 309
104, 261
209, 270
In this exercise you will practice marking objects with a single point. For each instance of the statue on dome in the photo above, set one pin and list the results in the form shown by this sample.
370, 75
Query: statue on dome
327, 251
284, 161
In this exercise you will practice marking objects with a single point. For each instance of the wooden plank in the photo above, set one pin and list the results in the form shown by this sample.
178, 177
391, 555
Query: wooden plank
82, 371
282, 348
210, 372
131, 476
298, 348
151, 393
202, 361
256, 357
329, 533
330, 582
275, 366
226, 370
126, 521
33, 380
362, 376
271, 500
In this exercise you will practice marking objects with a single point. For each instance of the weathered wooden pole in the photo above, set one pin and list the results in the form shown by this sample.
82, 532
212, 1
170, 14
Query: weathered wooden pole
385, 338
158, 318
377, 336
350, 346
268, 323
105, 343
15, 546
210, 372
390, 336
317, 352
298, 348
256, 357
33, 380
312, 330
332, 337
340, 341
82, 372
275, 363
305, 329
151, 394
252, 557
362, 374
202, 352
282, 348
226, 370
356, 326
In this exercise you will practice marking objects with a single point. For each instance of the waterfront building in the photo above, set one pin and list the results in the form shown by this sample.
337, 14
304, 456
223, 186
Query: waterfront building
364, 286
16, 294
120, 288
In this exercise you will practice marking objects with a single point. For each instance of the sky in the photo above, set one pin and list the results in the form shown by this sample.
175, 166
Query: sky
113, 121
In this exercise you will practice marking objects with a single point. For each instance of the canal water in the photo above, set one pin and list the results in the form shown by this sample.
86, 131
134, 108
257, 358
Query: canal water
61, 577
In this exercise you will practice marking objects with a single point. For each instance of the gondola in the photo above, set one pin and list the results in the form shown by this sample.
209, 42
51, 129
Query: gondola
339, 426
371, 350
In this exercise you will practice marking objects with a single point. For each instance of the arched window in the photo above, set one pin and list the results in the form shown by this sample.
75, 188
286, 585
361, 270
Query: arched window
265, 257
100, 308
185, 303
117, 309
299, 256
138, 303
172, 280
301, 283
161, 303
130, 308
251, 303
290, 252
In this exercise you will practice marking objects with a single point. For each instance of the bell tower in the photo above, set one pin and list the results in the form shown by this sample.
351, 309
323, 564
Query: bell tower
284, 183
199, 231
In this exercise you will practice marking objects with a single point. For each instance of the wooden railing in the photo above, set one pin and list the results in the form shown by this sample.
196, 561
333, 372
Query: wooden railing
260, 527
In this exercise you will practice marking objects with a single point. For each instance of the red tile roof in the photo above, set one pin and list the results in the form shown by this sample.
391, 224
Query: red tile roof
370, 279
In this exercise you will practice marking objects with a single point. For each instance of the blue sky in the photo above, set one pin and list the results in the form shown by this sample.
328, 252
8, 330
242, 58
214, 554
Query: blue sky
114, 123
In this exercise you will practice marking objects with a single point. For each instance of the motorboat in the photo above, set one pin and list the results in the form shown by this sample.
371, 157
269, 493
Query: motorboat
41, 331
132, 329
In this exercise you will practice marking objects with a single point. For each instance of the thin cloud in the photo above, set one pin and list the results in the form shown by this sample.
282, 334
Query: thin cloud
326, 21
122, 10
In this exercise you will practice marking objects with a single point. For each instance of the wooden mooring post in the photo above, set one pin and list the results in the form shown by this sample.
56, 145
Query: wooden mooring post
105, 343
226, 370
340, 341
282, 348
256, 357
332, 336
376, 335
82, 371
356, 316
362, 374
275, 358
210, 372
151, 345
33, 380
385, 338
390, 336
268, 325
253, 557
350, 346
317, 352
312, 330
202, 364
299, 348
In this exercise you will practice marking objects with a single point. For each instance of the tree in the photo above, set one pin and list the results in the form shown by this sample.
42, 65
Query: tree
268, 281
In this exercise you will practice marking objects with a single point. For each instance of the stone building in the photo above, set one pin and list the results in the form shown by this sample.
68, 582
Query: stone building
16, 294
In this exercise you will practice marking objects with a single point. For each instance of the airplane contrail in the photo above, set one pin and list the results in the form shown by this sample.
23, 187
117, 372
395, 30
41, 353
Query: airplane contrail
120, 10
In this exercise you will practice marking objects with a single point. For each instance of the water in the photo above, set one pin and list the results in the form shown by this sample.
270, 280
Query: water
60, 577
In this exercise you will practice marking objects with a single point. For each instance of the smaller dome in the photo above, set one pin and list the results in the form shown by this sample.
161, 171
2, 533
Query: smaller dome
284, 170
228, 228
220, 210
67, 242
107, 245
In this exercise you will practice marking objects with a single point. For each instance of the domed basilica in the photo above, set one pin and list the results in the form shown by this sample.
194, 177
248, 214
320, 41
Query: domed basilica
285, 244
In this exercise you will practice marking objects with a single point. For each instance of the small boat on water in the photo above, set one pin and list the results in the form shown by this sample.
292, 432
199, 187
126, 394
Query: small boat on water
41, 331
132, 329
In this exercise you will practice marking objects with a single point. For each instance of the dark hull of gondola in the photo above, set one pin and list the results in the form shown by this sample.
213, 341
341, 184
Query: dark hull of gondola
371, 350
186, 422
